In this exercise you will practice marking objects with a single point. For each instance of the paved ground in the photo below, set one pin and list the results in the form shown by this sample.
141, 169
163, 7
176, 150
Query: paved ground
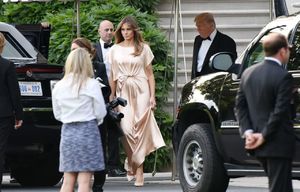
160, 182
242, 181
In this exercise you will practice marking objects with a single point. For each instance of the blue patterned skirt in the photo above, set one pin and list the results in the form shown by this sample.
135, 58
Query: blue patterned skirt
80, 147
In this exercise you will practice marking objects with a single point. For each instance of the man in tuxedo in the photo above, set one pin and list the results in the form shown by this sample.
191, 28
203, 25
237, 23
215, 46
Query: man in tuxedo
11, 112
263, 109
207, 43
109, 130
106, 33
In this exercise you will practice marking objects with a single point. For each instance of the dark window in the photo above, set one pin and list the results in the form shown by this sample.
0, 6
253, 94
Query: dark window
12, 48
255, 56
294, 62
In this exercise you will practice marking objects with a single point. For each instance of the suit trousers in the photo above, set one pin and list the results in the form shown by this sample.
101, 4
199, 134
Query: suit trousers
6, 125
279, 172
113, 149
110, 134
100, 176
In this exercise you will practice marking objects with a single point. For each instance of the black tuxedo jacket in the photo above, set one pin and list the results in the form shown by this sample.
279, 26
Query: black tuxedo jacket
263, 104
10, 104
100, 71
221, 43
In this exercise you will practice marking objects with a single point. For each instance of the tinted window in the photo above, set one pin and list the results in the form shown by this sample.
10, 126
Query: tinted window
255, 56
12, 49
295, 52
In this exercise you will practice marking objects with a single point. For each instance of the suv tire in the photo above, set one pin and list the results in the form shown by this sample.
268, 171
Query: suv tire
200, 166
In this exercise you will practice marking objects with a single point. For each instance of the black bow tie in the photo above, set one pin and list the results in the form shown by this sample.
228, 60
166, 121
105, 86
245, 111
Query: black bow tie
207, 38
107, 45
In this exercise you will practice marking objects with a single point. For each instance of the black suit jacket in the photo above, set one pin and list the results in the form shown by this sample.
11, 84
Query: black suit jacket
221, 43
263, 104
10, 104
100, 71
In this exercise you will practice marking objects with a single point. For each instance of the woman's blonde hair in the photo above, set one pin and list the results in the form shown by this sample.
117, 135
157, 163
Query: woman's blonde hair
79, 64
137, 36
2, 42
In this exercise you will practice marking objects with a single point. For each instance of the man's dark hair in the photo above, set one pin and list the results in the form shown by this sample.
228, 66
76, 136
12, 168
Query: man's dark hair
273, 45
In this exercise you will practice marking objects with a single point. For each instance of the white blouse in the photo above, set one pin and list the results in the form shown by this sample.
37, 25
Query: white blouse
69, 106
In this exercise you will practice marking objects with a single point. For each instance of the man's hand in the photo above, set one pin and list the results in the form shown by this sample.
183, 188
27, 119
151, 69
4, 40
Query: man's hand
254, 140
18, 123
249, 140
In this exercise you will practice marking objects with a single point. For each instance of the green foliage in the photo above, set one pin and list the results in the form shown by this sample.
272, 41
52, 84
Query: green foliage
62, 18
23, 13
1, 11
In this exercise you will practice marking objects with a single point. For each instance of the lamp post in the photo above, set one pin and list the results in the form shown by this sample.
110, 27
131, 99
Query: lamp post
77, 17
175, 77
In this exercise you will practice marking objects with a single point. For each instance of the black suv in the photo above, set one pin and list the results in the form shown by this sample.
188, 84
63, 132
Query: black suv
32, 155
206, 136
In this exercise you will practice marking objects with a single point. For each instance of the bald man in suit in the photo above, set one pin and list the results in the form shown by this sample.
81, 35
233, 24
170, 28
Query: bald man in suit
263, 109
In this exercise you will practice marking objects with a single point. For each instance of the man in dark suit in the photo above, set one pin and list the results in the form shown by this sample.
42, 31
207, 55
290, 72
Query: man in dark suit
109, 130
263, 109
207, 43
11, 113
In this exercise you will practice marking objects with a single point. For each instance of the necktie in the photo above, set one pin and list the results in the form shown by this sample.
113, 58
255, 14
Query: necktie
107, 45
207, 38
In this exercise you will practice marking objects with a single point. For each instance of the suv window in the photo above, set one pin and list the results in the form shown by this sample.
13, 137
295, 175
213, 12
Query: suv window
12, 49
295, 52
256, 55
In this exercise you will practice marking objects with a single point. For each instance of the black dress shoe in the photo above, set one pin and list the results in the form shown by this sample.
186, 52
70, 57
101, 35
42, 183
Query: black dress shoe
97, 188
12, 180
116, 173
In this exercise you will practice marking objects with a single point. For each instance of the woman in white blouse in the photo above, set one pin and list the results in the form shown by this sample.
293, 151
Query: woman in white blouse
78, 103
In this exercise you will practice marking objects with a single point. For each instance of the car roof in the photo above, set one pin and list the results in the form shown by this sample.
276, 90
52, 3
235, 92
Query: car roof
288, 23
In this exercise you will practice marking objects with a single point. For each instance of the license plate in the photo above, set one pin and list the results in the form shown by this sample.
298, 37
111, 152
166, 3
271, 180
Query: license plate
30, 88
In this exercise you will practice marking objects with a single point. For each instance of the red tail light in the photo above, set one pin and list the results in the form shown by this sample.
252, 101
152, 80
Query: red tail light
39, 70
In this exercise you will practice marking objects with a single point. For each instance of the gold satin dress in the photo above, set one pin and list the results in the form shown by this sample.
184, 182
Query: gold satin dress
142, 134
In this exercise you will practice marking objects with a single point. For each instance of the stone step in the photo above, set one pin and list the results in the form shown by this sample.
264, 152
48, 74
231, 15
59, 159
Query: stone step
232, 17
169, 106
203, 5
234, 31
183, 76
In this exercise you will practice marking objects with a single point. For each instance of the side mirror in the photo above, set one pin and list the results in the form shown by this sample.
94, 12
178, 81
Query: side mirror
224, 61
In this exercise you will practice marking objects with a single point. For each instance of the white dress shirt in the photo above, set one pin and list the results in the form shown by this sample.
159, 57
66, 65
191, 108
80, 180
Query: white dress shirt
204, 49
274, 59
69, 106
104, 54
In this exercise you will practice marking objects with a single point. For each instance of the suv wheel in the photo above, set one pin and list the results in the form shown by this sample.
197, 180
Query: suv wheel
200, 167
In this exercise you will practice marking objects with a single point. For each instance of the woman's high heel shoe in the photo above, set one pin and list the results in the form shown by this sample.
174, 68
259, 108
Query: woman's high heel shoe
130, 177
139, 183
139, 180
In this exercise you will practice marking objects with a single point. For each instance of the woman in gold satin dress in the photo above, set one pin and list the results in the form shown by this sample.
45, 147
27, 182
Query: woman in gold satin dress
132, 79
